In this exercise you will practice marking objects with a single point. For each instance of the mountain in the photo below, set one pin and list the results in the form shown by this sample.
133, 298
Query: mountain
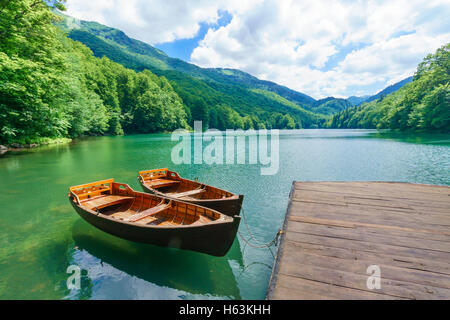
330, 105
389, 89
210, 87
419, 105
155, 58
203, 90
356, 101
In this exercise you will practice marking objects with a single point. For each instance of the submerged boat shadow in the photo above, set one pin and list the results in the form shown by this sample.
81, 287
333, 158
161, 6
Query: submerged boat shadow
184, 270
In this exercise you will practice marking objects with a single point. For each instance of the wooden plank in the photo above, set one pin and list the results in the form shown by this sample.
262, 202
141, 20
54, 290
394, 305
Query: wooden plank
360, 267
154, 170
319, 290
393, 206
382, 188
434, 217
347, 279
92, 184
413, 263
187, 193
367, 246
102, 202
159, 183
353, 234
283, 293
335, 230
382, 218
146, 213
397, 203
374, 228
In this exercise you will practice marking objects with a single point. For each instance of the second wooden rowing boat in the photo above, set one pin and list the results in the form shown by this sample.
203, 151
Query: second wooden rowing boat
169, 184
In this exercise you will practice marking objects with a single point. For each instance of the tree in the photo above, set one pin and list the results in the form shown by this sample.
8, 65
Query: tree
436, 108
52, 86
199, 112
422, 104
31, 68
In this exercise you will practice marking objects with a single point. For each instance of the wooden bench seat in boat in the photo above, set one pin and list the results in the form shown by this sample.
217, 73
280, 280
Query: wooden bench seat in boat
146, 213
159, 183
187, 193
103, 201
202, 220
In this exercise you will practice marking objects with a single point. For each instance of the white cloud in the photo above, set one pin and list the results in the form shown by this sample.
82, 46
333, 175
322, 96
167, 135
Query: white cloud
290, 43
152, 21
155, 21
320, 48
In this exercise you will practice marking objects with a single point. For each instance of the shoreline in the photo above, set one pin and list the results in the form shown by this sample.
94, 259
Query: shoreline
22, 147
48, 141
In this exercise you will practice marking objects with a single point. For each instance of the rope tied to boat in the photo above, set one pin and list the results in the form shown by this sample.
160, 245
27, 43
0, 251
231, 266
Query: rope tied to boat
259, 244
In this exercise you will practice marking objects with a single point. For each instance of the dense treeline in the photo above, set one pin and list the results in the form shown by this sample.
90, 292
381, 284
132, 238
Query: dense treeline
226, 107
207, 93
423, 104
330, 105
52, 86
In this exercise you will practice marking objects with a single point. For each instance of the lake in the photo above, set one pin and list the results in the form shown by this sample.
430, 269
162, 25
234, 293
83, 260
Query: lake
41, 235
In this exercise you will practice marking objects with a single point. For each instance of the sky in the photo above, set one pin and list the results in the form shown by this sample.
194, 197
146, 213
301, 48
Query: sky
319, 47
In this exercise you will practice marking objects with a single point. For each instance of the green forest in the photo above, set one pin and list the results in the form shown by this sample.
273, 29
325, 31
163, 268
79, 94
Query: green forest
421, 105
59, 82
52, 86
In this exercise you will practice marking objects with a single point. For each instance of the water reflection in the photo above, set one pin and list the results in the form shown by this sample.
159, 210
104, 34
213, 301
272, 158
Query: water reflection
186, 271
408, 137
417, 138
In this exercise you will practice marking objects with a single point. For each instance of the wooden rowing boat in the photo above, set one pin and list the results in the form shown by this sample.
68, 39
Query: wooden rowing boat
169, 184
137, 216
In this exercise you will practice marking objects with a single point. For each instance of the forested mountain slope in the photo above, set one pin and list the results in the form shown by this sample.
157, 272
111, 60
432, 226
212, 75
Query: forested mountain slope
356, 101
423, 104
151, 57
208, 93
330, 105
389, 89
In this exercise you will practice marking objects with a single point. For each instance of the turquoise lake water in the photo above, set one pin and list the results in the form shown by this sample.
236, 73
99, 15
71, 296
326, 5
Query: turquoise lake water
41, 235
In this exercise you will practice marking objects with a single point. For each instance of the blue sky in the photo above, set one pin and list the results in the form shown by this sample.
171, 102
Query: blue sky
183, 48
318, 47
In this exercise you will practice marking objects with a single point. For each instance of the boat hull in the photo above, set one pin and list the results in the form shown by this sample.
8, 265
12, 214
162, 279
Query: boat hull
213, 238
229, 207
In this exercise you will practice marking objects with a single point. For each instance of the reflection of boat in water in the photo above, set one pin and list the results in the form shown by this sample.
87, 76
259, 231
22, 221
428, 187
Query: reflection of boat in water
178, 269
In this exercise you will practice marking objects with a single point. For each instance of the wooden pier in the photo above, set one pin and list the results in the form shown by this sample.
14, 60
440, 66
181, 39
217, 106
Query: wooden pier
335, 230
